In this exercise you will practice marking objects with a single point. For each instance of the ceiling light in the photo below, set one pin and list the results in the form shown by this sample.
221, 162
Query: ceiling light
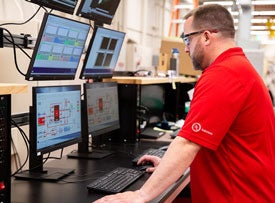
263, 2
263, 13
223, 3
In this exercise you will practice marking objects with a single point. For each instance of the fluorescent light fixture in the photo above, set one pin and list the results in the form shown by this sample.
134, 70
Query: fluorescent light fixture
266, 2
261, 27
263, 13
259, 32
184, 6
223, 3
244, 2
258, 20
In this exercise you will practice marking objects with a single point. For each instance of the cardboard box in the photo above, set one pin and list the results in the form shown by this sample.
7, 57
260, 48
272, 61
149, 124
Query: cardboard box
185, 64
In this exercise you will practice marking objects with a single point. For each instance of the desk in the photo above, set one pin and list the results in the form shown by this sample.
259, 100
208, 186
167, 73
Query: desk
129, 99
73, 189
9, 88
151, 80
5, 135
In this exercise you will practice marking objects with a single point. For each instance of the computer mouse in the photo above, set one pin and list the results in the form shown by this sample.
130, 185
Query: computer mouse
143, 167
164, 148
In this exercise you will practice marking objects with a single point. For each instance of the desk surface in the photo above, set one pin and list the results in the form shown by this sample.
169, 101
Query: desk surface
150, 80
73, 188
10, 88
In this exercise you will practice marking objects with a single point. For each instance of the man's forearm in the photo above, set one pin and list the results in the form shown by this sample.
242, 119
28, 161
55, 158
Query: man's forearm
176, 160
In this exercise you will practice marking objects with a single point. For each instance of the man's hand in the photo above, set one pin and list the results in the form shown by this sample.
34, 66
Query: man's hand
125, 197
151, 159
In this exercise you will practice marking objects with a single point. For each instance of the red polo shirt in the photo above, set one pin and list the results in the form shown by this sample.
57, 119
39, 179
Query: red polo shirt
232, 118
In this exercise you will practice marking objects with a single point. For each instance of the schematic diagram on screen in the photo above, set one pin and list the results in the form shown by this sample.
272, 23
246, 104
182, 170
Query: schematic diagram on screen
102, 107
57, 118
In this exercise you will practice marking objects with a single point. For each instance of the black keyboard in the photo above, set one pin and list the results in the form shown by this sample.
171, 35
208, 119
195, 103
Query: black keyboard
150, 151
116, 180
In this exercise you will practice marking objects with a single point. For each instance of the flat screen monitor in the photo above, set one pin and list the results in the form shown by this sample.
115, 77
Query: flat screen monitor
58, 49
101, 116
55, 123
100, 11
67, 6
102, 54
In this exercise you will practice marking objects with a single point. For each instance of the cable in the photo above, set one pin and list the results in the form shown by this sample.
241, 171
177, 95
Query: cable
26, 140
14, 53
50, 157
18, 47
26, 20
15, 154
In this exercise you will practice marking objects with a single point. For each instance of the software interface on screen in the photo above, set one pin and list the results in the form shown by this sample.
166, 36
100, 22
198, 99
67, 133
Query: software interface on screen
102, 107
58, 117
67, 6
101, 11
103, 53
58, 48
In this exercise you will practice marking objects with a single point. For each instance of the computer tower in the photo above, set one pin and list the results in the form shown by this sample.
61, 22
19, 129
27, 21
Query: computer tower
5, 149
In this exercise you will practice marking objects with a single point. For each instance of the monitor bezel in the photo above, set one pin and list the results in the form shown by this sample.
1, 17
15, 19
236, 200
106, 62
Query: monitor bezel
108, 72
52, 4
97, 18
33, 129
44, 76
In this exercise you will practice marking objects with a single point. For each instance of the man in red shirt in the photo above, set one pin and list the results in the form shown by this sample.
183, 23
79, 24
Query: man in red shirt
228, 138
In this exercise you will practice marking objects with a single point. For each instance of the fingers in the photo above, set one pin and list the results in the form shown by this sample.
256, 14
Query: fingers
149, 158
150, 169
125, 197
144, 159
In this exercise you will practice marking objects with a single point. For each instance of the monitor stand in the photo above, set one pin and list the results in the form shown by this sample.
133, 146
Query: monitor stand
38, 172
93, 154
48, 174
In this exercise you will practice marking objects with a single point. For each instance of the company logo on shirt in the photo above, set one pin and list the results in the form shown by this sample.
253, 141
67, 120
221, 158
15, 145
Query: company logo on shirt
196, 127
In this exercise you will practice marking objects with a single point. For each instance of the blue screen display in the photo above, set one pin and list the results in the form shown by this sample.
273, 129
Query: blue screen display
58, 49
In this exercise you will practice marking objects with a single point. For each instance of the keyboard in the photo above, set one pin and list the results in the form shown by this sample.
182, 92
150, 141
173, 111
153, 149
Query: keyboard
115, 181
150, 151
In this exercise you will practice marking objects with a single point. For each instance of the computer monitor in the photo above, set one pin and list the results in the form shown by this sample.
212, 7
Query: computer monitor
55, 123
100, 11
102, 54
67, 6
58, 49
101, 116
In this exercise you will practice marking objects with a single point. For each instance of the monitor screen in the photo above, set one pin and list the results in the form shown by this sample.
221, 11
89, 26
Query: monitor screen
100, 11
55, 123
57, 117
102, 107
66, 6
58, 49
102, 54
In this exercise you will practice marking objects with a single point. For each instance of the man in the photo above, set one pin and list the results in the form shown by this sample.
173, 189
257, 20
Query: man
228, 138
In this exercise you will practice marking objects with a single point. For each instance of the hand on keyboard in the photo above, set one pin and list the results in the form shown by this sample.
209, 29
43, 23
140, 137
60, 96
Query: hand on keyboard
128, 196
145, 159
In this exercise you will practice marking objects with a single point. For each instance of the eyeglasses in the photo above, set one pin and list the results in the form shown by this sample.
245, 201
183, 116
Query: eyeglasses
186, 38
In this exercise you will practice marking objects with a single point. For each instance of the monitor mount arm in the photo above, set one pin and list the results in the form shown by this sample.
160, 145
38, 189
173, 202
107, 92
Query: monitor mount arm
25, 41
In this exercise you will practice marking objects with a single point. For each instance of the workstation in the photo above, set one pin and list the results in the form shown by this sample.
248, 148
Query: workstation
90, 92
